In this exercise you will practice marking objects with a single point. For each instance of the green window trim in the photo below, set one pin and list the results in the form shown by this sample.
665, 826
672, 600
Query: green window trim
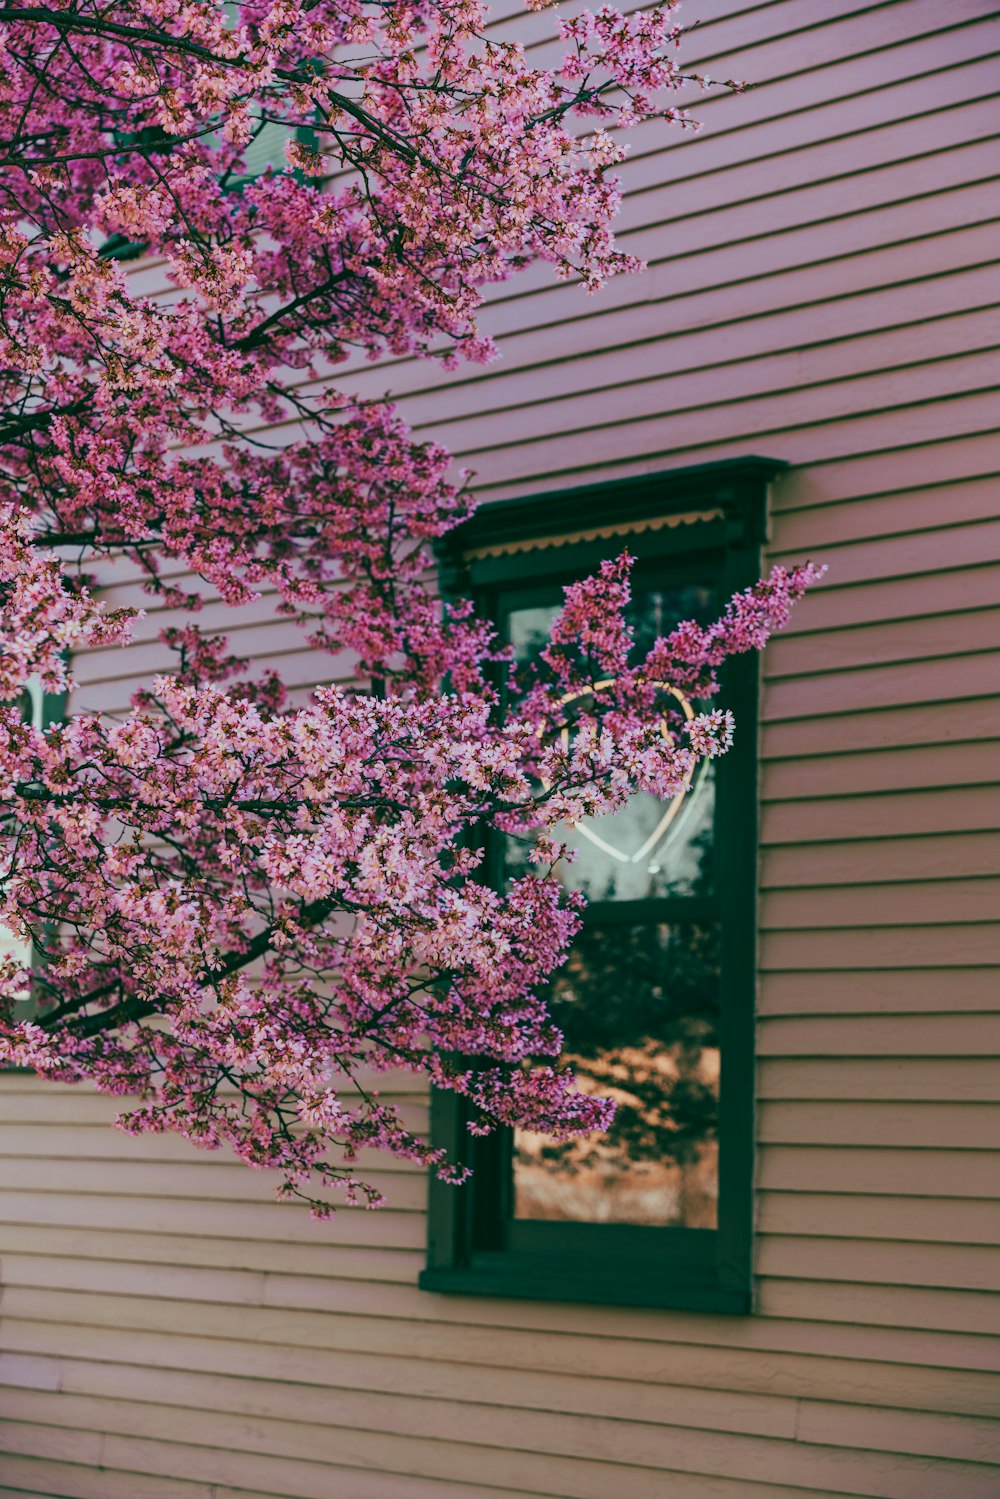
713, 514
265, 150
41, 709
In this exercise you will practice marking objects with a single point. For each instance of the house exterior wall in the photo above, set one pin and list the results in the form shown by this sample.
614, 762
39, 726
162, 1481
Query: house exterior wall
820, 291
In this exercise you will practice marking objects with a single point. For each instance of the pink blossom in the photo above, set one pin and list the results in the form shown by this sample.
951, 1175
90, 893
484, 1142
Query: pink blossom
262, 909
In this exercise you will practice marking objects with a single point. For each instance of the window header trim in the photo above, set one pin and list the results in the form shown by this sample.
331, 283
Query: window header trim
729, 496
719, 512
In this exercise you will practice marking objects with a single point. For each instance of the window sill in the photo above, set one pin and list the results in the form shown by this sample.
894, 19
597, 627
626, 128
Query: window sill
539, 1279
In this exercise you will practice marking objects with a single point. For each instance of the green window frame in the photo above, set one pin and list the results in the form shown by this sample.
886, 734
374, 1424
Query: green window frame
709, 518
40, 709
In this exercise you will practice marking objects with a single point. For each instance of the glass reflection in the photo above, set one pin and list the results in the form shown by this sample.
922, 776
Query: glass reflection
639, 1009
647, 850
651, 848
638, 1002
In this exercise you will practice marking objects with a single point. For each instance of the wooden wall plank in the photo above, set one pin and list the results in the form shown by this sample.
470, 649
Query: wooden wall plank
936, 902
885, 1263
937, 1218
823, 287
894, 991
958, 1126
946, 1079
572, 1458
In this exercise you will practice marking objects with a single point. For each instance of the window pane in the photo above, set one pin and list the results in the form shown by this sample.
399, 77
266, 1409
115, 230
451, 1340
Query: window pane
267, 149
653, 611
639, 1007
650, 848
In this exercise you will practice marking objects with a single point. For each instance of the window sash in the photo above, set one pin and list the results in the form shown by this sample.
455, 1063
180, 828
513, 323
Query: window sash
474, 1245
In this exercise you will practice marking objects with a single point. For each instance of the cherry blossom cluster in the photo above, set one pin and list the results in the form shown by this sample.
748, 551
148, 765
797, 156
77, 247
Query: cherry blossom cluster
43, 615
243, 913
260, 911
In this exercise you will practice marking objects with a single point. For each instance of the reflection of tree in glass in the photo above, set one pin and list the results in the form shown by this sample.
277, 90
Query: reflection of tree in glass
656, 611
651, 613
649, 849
636, 1002
639, 1008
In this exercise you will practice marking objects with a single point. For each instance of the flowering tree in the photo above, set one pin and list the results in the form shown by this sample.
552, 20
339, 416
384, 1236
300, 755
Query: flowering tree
241, 912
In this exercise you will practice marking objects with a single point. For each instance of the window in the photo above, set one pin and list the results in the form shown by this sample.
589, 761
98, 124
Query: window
38, 708
656, 999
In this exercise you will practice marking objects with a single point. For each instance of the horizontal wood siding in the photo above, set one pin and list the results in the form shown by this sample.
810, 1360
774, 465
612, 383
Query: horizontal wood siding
823, 289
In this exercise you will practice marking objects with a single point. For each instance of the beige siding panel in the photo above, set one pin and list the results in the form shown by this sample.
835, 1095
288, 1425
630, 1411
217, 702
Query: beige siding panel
889, 642
823, 288
139, 1461
858, 40
904, 1432
371, 1409
848, 521
743, 311
894, 991
952, 355
873, 475
892, 1263
939, 857
538, 1342
959, 1126
929, 901
899, 597
571, 1457
818, 339
35, 1478
872, 688
298, 668
903, 159
276, 642
502, 1334
940, 440
521, 1379
875, 690
948, 402
742, 296
95, 1142
953, 1034
864, 58
952, 208
305, 1387
891, 947
899, 1173
938, 1079
230, 1183
903, 814
223, 1286
935, 1219
604, 383
199, 1214
52, 1248
25, 1098
796, 741
312, 1480
960, 762
695, 402
890, 1306
778, 320
671, 1405
66, 1481
907, 556
762, 130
